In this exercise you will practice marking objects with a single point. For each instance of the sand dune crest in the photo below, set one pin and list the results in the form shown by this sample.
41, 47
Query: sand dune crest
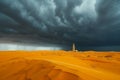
23, 69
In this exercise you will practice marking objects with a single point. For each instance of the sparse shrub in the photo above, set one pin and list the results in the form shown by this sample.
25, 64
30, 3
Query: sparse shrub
88, 55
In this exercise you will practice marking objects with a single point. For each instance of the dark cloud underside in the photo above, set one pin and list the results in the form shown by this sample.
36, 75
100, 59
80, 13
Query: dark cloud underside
84, 22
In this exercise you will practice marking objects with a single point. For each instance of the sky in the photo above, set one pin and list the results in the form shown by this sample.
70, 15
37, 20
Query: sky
56, 24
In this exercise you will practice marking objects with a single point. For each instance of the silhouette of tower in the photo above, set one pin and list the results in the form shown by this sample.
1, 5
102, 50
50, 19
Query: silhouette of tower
73, 47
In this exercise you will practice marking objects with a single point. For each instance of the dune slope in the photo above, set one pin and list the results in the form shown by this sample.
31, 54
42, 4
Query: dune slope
59, 65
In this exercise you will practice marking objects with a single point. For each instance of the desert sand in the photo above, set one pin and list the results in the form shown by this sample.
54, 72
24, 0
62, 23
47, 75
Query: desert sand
59, 65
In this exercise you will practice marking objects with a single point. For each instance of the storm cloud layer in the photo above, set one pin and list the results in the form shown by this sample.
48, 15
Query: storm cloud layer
84, 22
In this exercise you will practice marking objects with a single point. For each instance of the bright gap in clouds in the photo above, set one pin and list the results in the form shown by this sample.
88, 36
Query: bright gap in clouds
16, 46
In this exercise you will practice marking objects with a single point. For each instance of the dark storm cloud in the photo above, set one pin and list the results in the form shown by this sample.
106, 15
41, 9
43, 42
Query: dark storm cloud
85, 22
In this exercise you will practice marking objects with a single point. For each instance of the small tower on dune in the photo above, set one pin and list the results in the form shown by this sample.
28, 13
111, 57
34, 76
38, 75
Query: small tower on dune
74, 48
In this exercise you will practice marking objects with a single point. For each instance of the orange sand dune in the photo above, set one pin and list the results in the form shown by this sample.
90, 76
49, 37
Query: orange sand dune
59, 65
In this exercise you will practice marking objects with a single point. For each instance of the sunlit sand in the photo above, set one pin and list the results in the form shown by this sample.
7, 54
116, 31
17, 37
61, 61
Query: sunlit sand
59, 65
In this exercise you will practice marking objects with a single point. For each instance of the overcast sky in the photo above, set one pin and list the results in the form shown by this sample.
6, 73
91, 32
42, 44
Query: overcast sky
90, 24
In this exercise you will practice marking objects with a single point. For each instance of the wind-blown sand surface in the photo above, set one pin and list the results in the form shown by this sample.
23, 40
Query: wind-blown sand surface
59, 65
